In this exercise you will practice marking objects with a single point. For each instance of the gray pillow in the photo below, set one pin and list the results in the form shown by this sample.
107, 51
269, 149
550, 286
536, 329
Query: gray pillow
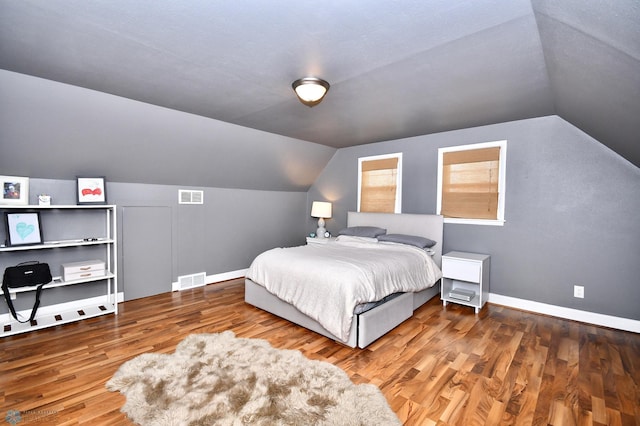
363, 231
412, 240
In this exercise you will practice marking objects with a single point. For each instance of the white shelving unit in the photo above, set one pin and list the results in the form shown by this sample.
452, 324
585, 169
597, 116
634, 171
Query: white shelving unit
102, 229
468, 272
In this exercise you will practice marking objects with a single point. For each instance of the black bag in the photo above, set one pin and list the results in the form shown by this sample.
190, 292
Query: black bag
27, 274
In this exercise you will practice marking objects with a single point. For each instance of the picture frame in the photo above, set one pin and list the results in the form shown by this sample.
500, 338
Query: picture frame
23, 228
15, 190
91, 190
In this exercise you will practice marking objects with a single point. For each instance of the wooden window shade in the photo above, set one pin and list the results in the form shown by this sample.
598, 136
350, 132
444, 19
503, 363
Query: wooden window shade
379, 185
470, 183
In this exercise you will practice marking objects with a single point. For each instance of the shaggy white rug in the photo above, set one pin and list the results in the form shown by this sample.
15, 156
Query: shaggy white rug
219, 379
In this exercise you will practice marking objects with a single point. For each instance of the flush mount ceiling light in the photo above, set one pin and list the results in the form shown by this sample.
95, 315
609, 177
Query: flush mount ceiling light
310, 90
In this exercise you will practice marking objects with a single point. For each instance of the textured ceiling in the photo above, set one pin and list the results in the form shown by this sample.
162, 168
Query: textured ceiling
396, 68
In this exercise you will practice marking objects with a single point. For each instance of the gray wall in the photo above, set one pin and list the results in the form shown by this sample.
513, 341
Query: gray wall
225, 234
255, 182
572, 204
571, 211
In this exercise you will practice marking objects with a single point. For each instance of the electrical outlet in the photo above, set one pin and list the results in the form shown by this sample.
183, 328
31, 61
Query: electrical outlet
578, 291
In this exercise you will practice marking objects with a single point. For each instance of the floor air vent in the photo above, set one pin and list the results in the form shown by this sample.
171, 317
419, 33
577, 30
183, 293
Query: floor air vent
187, 196
191, 281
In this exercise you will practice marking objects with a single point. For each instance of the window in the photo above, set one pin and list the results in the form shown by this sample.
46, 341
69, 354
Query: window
471, 183
380, 183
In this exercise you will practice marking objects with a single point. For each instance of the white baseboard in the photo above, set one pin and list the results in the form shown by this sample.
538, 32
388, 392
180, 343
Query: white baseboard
62, 307
625, 324
226, 276
216, 278
619, 323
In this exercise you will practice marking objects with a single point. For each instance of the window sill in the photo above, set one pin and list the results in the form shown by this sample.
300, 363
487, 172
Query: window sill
499, 222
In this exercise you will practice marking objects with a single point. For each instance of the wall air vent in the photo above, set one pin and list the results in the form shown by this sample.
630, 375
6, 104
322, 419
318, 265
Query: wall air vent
191, 281
187, 196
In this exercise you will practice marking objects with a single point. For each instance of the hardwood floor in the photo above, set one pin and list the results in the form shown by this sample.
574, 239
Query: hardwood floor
443, 366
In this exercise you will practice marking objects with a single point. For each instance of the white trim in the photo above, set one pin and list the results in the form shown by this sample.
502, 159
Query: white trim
474, 221
398, 206
502, 182
62, 307
398, 155
619, 323
216, 278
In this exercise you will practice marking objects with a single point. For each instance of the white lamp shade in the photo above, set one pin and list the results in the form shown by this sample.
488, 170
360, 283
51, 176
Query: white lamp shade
321, 209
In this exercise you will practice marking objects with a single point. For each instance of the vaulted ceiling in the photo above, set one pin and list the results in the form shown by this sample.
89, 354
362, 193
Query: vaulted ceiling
396, 68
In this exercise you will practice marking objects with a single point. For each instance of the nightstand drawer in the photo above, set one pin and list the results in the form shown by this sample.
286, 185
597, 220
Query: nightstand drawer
461, 270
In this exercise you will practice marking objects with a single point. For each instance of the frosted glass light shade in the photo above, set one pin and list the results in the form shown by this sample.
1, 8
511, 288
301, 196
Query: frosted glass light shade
310, 90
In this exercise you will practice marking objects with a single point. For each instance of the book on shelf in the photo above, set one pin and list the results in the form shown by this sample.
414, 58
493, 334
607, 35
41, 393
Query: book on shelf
462, 294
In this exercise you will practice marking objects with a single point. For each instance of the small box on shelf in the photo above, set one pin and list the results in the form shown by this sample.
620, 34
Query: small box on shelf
462, 294
81, 270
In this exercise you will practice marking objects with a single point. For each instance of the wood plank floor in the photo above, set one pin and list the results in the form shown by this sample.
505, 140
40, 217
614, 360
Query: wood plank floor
443, 366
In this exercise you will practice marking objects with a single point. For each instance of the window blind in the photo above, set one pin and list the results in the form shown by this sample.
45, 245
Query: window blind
470, 183
379, 185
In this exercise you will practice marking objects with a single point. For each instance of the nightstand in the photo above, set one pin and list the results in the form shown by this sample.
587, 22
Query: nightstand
465, 279
312, 240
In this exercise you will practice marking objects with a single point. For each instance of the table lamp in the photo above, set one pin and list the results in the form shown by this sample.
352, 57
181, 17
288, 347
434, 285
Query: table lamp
321, 210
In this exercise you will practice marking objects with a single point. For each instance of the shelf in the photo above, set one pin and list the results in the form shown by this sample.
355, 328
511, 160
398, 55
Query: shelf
59, 206
96, 222
473, 302
58, 244
52, 320
59, 282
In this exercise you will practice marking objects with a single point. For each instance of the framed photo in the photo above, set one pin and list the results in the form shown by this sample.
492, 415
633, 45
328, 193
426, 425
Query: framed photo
15, 190
23, 228
91, 190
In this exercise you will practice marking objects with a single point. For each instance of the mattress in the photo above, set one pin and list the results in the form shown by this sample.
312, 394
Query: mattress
364, 307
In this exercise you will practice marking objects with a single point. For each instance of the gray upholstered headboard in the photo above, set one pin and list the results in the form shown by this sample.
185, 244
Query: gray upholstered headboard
424, 225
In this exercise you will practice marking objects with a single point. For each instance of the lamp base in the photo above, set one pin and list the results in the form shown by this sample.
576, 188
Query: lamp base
321, 229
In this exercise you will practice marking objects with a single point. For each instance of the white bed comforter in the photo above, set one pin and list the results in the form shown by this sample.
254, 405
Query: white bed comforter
327, 281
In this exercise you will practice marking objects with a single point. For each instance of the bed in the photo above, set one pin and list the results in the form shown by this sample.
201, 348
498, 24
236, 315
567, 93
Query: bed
363, 328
